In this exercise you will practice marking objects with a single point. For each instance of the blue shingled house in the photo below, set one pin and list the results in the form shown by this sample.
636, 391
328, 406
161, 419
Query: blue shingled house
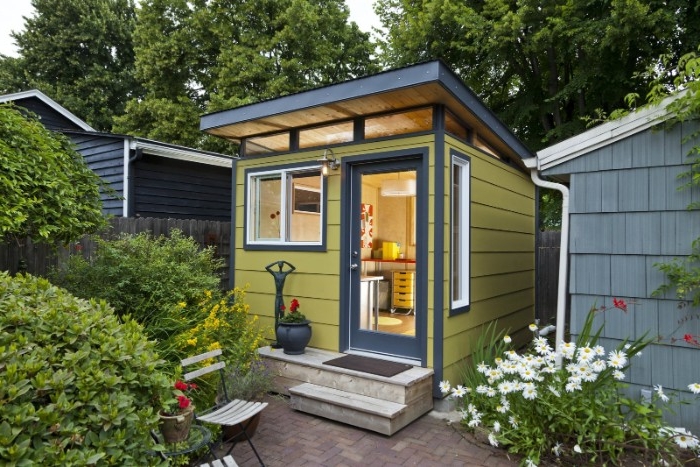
626, 215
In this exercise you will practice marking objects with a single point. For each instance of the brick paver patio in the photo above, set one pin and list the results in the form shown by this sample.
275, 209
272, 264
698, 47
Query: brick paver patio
286, 437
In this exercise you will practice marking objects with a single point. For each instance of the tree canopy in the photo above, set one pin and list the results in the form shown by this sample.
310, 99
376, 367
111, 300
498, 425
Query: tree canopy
211, 55
47, 192
80, 53
544, 66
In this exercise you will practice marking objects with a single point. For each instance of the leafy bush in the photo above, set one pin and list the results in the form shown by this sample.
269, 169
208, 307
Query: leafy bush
157, 281
576, 412
77, 386
47, 192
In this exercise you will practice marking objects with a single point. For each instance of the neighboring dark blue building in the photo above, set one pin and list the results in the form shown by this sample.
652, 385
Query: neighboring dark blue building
149, 178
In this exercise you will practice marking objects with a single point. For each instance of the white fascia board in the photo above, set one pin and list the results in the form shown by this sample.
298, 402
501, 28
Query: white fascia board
181, 154
48, 101
604, 134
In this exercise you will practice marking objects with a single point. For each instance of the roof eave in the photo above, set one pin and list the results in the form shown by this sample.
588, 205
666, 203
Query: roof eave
605, 134
48, 101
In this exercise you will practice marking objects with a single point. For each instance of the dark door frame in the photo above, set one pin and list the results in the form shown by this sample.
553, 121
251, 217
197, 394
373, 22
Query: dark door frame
420, 158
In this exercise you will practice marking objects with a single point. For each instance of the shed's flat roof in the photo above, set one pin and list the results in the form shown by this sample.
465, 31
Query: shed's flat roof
413, 86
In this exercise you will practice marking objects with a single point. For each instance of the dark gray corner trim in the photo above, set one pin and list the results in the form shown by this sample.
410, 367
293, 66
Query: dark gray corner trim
438, 280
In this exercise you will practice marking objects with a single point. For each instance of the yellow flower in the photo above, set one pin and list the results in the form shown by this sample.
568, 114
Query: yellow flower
192, 341
182, 304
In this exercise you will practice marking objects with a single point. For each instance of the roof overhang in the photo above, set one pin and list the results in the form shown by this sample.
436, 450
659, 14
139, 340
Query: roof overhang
605, 134
414, 86
36, 94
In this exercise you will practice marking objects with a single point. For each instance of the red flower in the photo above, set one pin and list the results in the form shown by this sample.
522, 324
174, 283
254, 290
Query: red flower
294, 305
181, 386
620, 304
183, 402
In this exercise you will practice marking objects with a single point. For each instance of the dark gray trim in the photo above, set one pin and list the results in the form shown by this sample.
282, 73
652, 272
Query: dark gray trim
232, 248
392, 80
463, 309
285, 247
439, 278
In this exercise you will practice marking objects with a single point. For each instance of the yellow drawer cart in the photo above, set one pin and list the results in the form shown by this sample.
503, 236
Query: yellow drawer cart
403, 291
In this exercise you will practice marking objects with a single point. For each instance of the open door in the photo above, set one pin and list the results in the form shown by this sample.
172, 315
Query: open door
386, 312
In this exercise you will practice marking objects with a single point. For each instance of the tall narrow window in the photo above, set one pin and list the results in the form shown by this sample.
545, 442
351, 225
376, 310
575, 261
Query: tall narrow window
460, 233
285, 207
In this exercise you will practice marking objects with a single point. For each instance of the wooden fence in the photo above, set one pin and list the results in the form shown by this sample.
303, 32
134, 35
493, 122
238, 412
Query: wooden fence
547, 264
39, 258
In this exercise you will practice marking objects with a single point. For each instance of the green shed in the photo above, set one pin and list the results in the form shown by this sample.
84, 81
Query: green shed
404, 206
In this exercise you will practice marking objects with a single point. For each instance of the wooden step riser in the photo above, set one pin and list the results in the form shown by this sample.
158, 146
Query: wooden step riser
362, 419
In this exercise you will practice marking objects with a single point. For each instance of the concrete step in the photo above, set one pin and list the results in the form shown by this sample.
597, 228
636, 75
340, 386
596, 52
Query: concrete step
361, 411
404, 388
378, 403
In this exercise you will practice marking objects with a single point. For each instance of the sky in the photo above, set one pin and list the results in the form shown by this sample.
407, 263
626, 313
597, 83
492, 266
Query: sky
11, 20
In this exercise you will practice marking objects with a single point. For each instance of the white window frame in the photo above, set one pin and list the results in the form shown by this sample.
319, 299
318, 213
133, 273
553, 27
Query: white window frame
286, 206
462, 263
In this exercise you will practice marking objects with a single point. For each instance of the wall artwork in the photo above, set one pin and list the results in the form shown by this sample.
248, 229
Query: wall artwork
367, 226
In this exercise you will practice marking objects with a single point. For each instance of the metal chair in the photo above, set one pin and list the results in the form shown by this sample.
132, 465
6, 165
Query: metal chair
230, 412
225, 462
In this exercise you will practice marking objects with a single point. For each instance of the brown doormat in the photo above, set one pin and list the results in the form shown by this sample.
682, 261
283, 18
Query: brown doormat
369, 365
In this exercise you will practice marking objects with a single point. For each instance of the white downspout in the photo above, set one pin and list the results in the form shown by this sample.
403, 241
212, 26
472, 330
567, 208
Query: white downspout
532, 164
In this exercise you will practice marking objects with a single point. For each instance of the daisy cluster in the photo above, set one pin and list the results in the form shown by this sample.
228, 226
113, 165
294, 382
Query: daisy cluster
514, 382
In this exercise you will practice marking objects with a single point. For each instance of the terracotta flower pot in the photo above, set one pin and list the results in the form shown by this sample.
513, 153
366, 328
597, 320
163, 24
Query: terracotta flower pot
176, 428
251, 426
294, 337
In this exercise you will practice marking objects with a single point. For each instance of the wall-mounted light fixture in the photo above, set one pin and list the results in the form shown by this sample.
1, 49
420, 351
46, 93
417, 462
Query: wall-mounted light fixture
328, 163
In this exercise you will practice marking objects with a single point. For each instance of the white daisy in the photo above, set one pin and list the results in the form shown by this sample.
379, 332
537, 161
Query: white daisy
598, 365
445, 386
533, 327
695, 388
459, 391
578, 449
557, 449
496, 426
493, 440
568, 349
617, 359
585, 354
513, 421
530, 463
482, 367
507, 339
530, 393
660, 392
618, 375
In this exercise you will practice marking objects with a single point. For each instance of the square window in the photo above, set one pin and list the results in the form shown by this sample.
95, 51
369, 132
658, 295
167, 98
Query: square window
285, 207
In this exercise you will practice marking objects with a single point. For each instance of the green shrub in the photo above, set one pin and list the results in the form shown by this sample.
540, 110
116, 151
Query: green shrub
77, 385
157, 281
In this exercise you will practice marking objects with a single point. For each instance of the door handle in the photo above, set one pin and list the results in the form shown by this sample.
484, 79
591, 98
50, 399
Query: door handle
354, 266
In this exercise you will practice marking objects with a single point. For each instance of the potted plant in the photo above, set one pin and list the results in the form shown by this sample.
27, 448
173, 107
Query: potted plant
177, 413
248, 385
293, 329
